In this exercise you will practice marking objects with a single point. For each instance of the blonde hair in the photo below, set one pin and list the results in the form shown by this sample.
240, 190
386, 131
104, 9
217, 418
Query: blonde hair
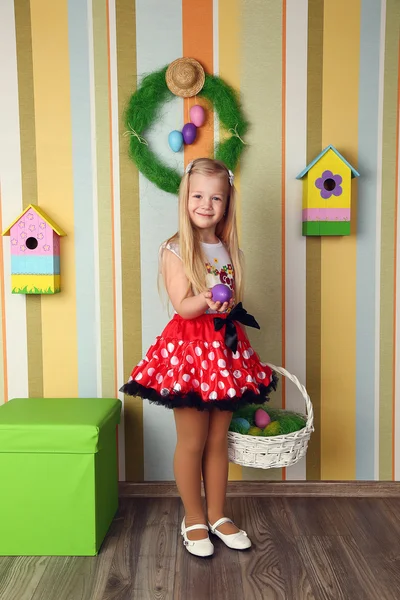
189, 242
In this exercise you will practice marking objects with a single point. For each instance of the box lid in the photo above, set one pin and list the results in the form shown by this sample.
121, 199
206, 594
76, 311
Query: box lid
60, 425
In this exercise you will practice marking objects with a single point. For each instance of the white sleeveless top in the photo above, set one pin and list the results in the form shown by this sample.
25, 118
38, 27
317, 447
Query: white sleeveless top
218, 263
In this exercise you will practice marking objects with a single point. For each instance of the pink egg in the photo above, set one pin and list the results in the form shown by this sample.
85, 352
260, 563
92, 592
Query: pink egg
197, 115
261, 418
189, 133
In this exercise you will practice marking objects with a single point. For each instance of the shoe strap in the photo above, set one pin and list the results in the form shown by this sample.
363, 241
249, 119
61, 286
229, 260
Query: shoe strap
219, 523
193, 527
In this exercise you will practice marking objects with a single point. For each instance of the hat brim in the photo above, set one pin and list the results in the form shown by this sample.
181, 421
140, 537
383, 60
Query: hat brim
195, 88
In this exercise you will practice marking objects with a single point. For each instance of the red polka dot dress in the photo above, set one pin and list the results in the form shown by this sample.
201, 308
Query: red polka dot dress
190, 363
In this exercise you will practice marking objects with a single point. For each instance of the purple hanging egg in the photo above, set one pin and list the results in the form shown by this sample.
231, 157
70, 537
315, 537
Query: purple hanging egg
197, 115
189, 133
221, 293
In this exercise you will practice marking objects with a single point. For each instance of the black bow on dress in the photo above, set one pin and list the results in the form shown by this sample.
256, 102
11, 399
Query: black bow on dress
240, 314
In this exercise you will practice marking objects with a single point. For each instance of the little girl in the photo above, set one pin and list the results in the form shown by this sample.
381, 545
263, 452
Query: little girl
202, 365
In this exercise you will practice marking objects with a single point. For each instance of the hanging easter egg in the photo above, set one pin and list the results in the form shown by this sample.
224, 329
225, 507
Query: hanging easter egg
189, 133
175, 140
197, 115
261, 418
221, 293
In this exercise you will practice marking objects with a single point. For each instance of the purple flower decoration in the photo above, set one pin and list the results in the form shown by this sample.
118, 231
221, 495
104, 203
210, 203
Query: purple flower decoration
329, 184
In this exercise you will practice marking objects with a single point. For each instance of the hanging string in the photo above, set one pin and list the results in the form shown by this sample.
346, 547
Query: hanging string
188, 107
133, 133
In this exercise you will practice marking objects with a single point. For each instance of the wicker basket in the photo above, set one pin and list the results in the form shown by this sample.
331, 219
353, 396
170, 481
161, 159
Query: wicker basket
274, 451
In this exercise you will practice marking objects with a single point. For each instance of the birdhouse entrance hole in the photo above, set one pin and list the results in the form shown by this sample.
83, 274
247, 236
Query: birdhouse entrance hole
31, 243
329, 184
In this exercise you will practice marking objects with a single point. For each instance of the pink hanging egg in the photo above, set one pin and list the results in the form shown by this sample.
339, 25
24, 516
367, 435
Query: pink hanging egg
197, 115
189, 133
261, 418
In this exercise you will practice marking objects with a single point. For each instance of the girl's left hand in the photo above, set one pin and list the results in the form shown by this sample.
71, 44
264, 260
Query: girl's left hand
218, 306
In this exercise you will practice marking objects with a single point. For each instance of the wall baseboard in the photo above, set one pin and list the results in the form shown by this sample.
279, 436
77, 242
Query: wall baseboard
338, 489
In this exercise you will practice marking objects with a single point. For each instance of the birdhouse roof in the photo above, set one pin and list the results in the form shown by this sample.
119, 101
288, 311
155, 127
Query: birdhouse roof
354, 173
42, 214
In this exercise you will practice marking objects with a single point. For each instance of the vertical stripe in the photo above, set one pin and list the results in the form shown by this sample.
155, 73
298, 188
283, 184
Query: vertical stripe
159, 42
283, 201
229, 36
229, 68
94, 203
396, 420
197, 22
117, 226
368, 127
378, 238
396, 238
388, 241
313, 245
83, 193
104, 198
261, 181
215, 22
215, 26
130, 242
112, 192
295, 271
55, 188
29, 181
3, 330
338, 255
14, 308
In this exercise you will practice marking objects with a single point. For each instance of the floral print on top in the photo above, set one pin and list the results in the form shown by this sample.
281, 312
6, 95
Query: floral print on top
217, 274
225, 275
218, 264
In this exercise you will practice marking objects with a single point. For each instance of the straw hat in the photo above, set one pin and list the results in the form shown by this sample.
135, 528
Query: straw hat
185, 77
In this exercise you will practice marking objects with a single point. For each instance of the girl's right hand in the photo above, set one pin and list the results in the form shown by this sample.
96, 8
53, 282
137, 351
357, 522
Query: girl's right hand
217, 306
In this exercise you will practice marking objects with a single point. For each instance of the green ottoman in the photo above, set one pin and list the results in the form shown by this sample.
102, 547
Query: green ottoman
58, 473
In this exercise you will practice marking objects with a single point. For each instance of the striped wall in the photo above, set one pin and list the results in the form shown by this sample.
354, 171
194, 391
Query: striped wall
310, 73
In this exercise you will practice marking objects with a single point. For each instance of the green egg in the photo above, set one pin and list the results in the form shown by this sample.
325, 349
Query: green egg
273, 428
254, 431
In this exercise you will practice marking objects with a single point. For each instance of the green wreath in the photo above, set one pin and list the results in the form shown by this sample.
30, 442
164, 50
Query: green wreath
143, 109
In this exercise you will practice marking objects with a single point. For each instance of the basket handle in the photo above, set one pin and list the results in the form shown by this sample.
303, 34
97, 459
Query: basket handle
303, 391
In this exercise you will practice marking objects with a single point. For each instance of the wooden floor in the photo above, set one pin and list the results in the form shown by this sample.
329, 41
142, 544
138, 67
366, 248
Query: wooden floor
304, 549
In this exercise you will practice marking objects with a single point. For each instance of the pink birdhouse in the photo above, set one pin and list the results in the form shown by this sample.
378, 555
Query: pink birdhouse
35, 253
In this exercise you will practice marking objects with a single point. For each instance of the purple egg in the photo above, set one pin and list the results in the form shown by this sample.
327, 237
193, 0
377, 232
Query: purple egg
221, 293
189, 133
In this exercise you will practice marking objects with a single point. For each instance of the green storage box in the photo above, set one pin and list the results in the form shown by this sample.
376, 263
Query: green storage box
58, 473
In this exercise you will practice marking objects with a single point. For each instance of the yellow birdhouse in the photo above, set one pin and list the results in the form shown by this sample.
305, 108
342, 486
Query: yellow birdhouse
327, 194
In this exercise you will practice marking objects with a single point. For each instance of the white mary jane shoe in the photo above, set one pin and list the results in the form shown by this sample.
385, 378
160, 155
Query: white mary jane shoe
236, 541
201, 548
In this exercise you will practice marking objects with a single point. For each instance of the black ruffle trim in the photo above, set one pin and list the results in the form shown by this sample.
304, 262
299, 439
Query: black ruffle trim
194, 400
